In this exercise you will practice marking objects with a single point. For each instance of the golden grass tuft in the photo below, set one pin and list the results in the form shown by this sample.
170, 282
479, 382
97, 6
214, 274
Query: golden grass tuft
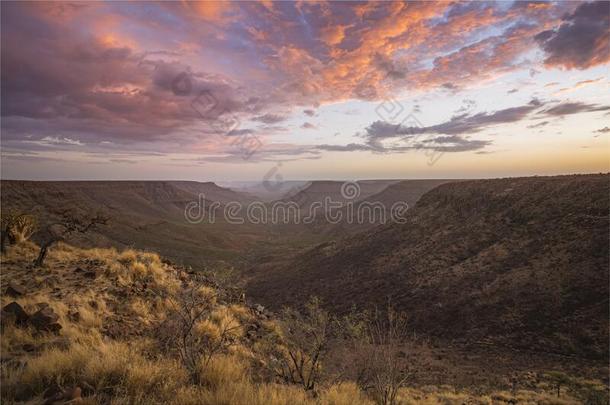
223, 370
118, 365
347, 393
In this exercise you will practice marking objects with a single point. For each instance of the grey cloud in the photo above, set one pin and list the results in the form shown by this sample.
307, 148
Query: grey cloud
270, 118
240, 132
573, 108
351, 147
538, 125
582, 40
460, 124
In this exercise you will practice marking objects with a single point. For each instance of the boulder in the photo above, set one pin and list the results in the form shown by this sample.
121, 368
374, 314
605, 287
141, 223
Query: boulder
15, 312
15, 290
45, 319
74, 316
56, 395
28, 347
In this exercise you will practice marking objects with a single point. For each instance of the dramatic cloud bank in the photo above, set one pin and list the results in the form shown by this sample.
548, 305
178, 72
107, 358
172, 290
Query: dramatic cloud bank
160, 78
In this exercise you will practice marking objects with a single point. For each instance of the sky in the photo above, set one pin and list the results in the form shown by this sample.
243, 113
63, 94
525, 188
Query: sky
219, 91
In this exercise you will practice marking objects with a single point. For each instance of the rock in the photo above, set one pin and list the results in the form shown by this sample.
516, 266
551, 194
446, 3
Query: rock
259, 308
28, 347
15, 290
86, 388
16, 311
73, 395
50, 281
53, 391
91, 274
23, 392
55, 395
74, 316
45, 320
54, 327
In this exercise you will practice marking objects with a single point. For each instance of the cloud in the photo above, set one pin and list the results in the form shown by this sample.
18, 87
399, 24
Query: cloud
125, 161
603, 130
53, 140
240, 132
111, 79
460, 124
351, 147
582, 40
307, 125
579, 85
569, 108
538, 125
270, 118
453, 143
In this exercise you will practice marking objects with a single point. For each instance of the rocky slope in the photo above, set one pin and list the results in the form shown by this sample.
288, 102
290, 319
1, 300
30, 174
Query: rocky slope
101, 326
518, 262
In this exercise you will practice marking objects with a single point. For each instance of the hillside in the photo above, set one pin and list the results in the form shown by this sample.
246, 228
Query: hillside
517, 262
98, 326
317, 191
143, 214
408, 191
101, 326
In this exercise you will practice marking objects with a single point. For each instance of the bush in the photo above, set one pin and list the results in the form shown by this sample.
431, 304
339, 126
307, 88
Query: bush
307, 337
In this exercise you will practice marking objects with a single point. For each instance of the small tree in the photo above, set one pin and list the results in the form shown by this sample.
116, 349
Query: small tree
16, 227
69, 224
307, 335
192, 308
558, 380
383, 365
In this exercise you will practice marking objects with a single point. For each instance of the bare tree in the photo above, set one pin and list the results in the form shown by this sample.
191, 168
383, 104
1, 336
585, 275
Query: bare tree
190, 307
69, 224
383, 364
307, 336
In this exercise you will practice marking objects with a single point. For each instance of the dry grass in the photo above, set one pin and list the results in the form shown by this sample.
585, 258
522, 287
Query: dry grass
138, 370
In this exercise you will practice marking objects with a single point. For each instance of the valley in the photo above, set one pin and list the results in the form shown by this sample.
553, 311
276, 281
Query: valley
503, 271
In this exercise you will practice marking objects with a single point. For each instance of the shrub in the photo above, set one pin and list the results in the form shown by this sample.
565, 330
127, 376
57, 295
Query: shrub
307, 337
196, 330
383, 365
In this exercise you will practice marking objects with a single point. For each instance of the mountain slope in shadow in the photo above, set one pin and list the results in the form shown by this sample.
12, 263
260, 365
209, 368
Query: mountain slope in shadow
519, 262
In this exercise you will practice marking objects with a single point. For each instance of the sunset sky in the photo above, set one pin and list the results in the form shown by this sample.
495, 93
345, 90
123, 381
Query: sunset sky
317, 90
